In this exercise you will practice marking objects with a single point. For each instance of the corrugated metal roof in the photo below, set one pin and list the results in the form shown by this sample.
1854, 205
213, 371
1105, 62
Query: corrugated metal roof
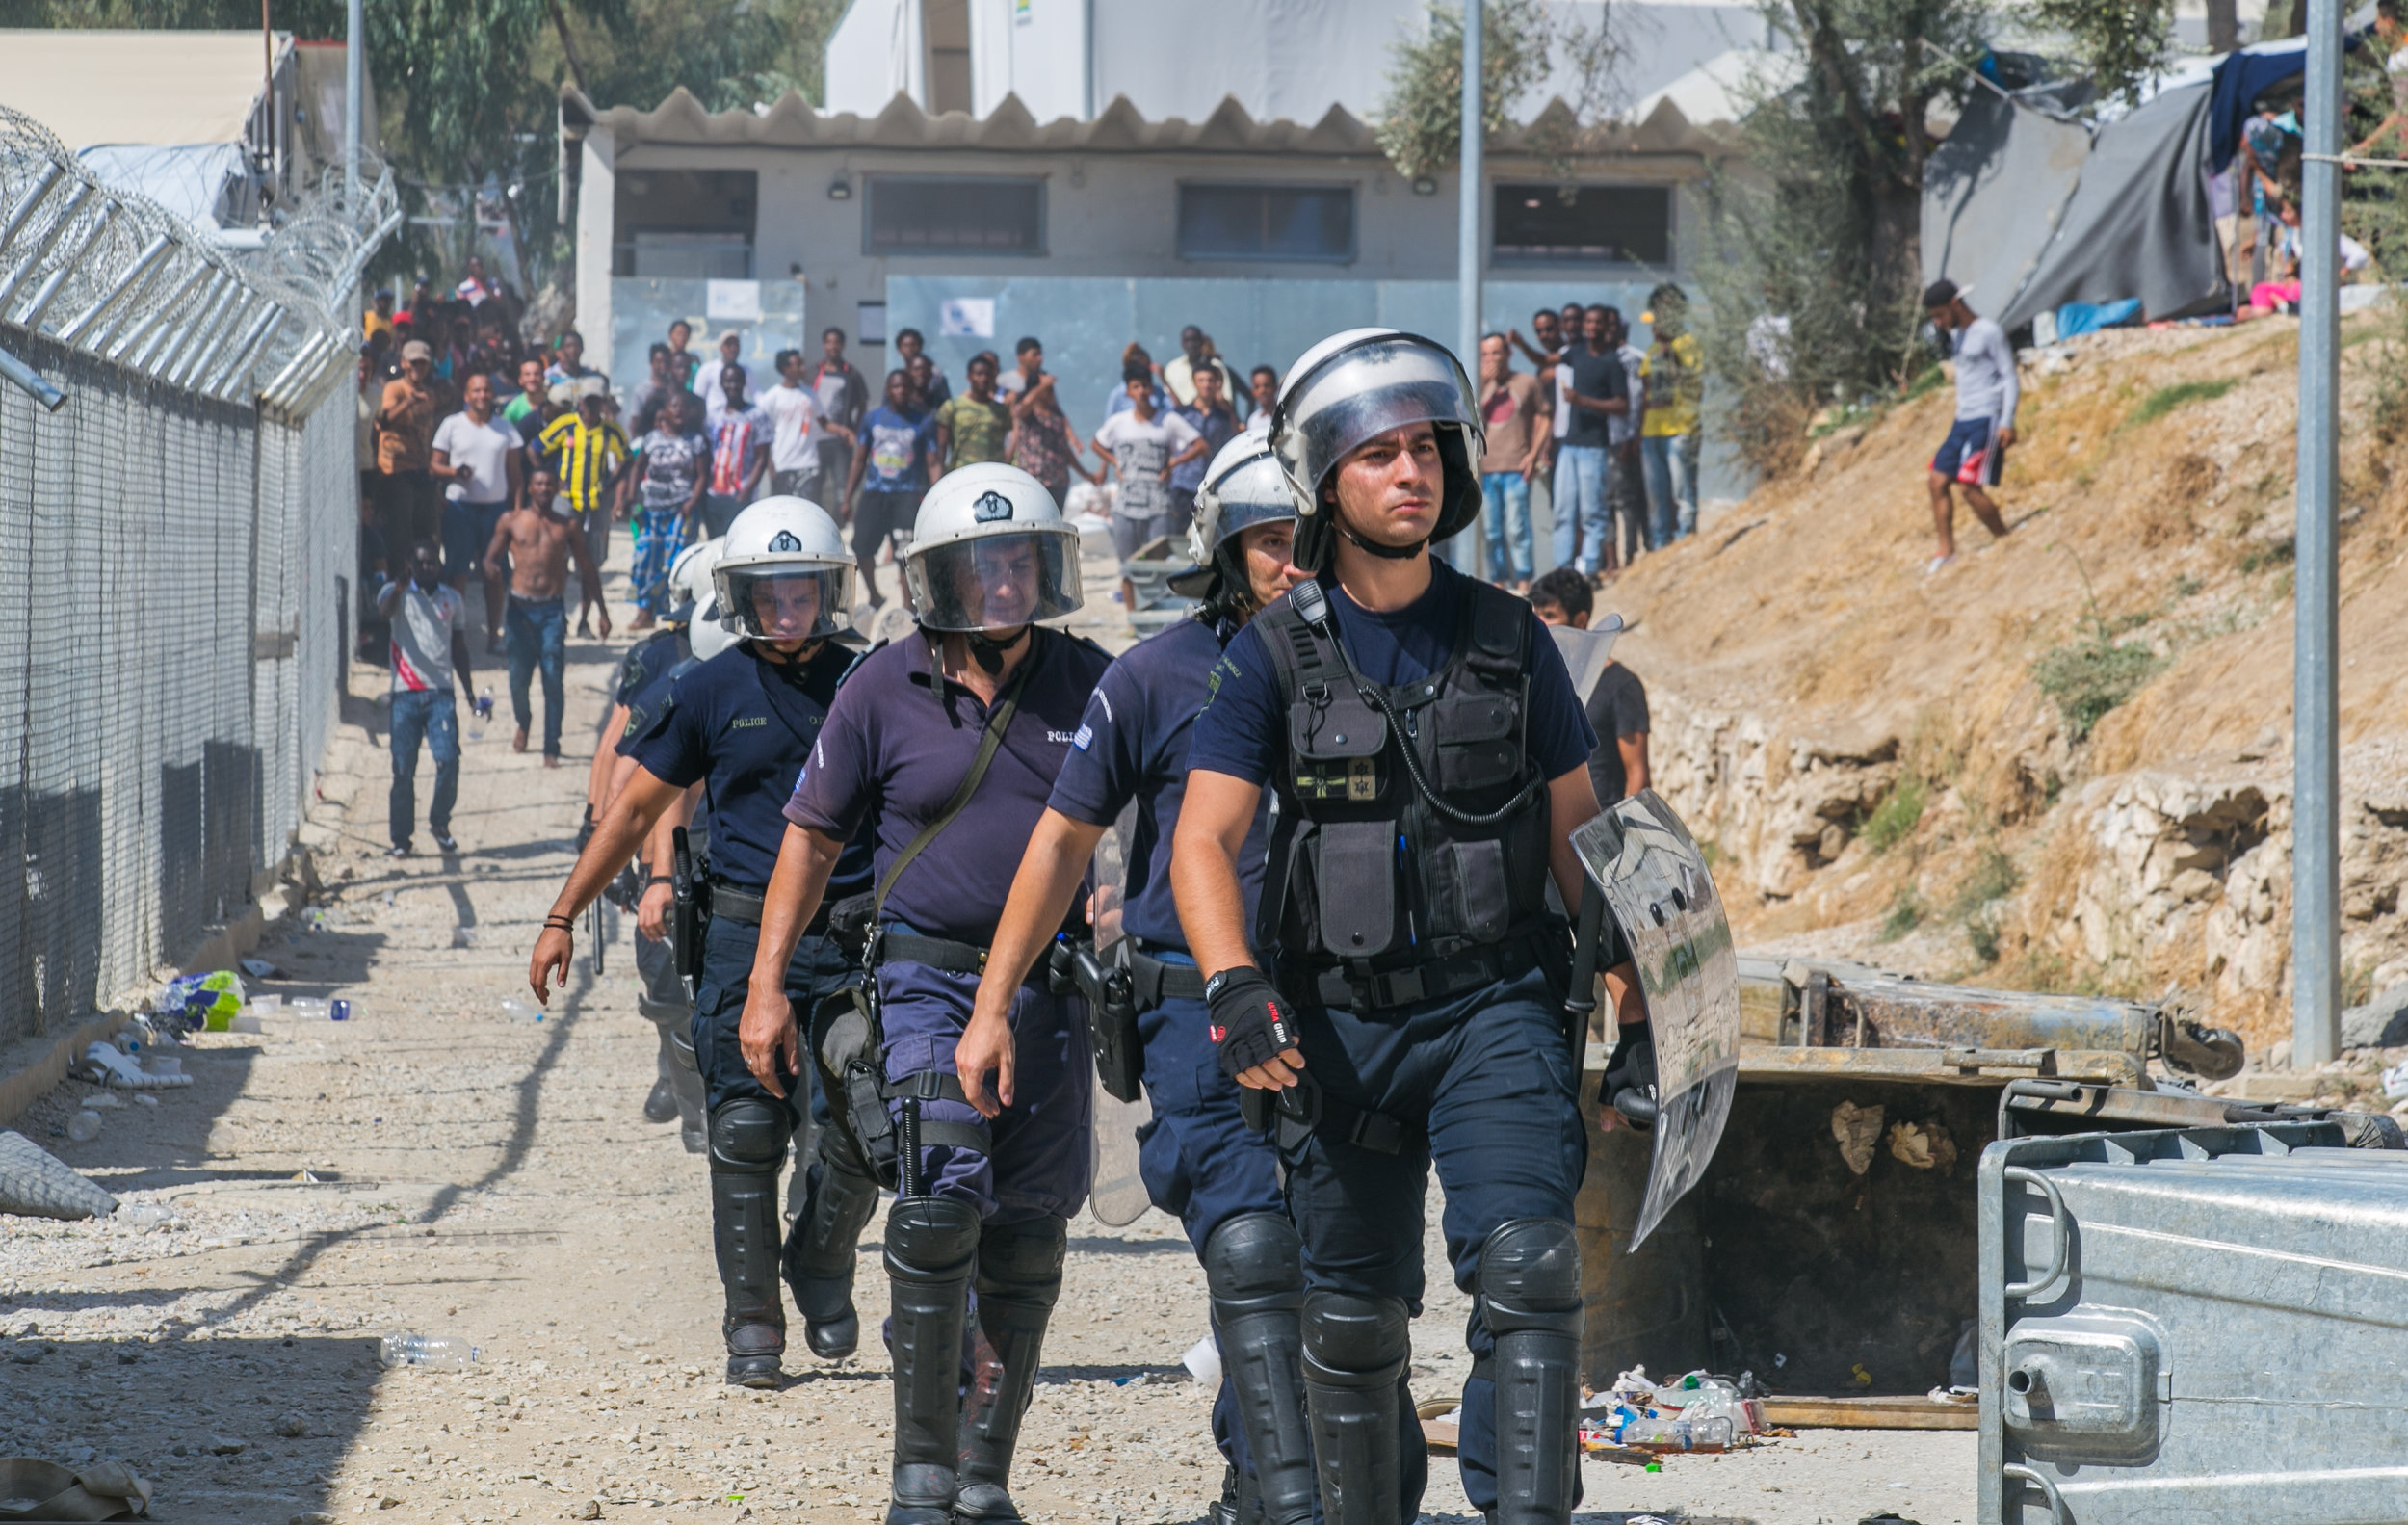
794, 124
130, 86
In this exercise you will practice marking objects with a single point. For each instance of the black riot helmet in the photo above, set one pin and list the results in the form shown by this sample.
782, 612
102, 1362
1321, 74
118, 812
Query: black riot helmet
1352, 387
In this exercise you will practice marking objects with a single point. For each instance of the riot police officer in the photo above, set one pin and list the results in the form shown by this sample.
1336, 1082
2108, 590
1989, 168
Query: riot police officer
1431, 762
646, 676
954, 735
741, 723
1199, 1157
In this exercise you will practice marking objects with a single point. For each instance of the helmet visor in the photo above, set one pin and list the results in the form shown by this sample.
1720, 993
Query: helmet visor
994, 582
791, 602
1362, 392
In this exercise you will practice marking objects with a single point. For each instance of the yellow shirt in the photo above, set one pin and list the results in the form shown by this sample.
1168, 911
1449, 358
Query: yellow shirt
1676, 380
374, 324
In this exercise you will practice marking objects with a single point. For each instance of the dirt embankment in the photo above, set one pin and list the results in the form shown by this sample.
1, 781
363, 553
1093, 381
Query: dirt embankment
2064, 761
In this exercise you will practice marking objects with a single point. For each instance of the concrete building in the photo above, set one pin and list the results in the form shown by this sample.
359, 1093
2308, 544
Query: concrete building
973, 189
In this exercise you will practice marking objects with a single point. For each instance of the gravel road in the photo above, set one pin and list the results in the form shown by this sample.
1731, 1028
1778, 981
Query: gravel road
433, 1166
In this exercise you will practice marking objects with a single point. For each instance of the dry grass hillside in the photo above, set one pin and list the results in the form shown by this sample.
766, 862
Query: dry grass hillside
2064, 761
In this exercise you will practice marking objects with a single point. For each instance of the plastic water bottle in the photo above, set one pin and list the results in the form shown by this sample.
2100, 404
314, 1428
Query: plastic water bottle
434, 1352
1677, 1434
481, 713
521, 1011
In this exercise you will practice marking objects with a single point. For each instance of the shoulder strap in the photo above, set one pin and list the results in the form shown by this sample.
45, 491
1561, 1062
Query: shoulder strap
1499, 625
997, 719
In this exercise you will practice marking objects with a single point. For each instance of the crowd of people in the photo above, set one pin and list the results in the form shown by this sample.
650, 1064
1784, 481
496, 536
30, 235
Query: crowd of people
899, 890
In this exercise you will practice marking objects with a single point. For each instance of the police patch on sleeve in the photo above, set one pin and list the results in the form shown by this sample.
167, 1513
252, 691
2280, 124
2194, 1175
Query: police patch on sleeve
1084, 739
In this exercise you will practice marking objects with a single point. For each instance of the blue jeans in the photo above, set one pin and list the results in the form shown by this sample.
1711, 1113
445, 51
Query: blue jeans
423, 715
1671, 463
1579, 502
1504, 521
536, 631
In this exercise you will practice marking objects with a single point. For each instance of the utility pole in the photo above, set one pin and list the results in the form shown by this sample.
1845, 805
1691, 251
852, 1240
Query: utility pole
1467, 230
2315, 631
354, 75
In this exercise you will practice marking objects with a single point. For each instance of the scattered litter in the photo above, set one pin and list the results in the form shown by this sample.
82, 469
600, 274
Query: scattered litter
1922, 1146
83, 1127
1858, 1377
306, 1008
31, 1490
103, 1101
436, 1353
146, 1098
244, 1022
265, 1005
1858, 1130
201, 1001
1955, 1395
1203, 1362
520, 1012
260, 970
37, 1184
103, 1064
2396, 1081
144, 1215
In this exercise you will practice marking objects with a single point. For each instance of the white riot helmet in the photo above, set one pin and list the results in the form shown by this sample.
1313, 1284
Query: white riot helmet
783, 573
1353, 386
990, 552
1242, 487
691, 576
682, 589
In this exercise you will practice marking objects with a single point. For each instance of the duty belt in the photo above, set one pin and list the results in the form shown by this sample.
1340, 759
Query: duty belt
1153, 981
941, 953
741, 903
1356, 987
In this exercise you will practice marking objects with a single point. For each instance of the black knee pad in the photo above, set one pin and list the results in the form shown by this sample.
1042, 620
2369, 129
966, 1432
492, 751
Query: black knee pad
1530, 1276
1256, 1258
748, 1136
1355, 1341
1023, 1260
932, 1238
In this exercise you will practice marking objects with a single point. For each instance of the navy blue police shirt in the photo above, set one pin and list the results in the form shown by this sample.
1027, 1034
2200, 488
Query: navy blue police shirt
1242, 731
743, 727
1132, 744
898, 743
643, 683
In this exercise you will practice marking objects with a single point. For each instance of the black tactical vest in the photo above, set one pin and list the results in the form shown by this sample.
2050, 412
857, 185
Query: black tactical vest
1365, 876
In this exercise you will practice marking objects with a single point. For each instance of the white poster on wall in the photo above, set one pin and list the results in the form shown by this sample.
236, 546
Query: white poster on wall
966, 318
732, 300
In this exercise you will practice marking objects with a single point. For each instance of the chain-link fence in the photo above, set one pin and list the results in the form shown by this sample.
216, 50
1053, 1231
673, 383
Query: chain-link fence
178, 531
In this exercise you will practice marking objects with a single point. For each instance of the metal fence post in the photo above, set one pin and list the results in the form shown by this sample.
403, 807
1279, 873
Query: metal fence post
2315, 694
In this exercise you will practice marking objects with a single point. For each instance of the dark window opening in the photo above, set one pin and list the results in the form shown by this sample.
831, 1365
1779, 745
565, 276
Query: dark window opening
685, 223
945, 23
1613, 225
1265, 221
927, 214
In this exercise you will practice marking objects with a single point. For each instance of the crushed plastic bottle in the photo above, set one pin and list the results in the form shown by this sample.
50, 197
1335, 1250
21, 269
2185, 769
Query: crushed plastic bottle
434, 1352
520, 1012
306, 1008
1677, 1434
83, 1127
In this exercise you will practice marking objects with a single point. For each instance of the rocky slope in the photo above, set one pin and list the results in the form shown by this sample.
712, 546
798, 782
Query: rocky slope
2063, 761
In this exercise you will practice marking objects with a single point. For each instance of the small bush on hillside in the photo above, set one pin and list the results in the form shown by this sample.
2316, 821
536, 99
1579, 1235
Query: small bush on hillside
1906, 913
2166, 399
1893, 819
2091, 675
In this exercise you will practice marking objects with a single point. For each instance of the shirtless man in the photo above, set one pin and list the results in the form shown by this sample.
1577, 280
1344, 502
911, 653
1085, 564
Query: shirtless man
541, 544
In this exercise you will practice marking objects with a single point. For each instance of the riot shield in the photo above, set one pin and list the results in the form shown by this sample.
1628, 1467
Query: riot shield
1586, 651
1657, 888
1117, 1192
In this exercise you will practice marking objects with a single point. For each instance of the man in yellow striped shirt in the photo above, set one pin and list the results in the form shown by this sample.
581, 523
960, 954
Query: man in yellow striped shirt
585, 451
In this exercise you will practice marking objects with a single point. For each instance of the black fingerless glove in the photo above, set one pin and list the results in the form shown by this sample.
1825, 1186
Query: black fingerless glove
1632, 1068
1250, 1021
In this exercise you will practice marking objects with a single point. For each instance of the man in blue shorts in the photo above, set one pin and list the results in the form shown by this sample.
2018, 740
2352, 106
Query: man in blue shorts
1975, 450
